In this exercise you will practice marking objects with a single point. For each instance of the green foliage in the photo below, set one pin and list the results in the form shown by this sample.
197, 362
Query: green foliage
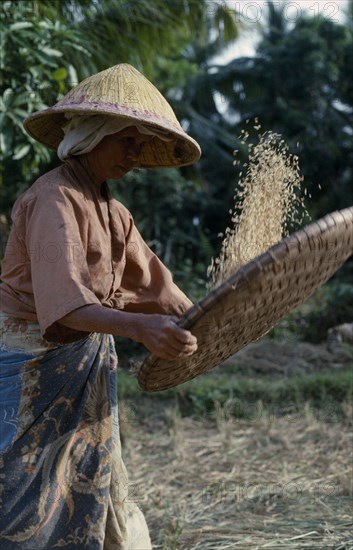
249, 396
34, 74
143, 32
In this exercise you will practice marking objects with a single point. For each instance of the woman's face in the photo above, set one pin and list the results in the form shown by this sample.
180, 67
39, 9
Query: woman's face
118, 153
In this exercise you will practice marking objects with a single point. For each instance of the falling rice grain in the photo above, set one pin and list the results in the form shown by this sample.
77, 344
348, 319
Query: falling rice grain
267, 203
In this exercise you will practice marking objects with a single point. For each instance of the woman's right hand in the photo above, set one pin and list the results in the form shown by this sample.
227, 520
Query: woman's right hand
163, 337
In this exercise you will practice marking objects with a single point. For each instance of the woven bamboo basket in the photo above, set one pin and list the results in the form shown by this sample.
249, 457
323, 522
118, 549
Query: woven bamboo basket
251, 301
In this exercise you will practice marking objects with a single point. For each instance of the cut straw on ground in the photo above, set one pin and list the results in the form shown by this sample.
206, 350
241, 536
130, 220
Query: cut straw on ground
277, 483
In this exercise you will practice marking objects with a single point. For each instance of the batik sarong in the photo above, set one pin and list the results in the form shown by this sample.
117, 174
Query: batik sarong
63, 483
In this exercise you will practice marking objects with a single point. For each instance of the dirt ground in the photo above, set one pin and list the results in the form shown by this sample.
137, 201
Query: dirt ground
271, 357
270, 482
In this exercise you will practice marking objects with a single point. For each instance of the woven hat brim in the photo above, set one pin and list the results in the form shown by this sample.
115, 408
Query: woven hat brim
46, 127
246, 306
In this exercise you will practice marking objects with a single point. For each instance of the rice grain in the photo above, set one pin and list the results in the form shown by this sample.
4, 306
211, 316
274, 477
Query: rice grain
267, 203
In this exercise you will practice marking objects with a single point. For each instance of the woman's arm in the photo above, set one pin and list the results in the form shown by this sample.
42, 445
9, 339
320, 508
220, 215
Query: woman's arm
159, 333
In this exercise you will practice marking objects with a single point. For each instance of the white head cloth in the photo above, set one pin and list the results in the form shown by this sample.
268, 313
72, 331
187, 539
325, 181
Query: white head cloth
84, 132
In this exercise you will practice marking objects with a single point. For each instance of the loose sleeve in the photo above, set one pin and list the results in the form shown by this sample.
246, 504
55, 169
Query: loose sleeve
147, 285
61, 280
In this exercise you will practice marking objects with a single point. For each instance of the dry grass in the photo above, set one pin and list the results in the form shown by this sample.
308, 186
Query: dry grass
276, 483
267, 201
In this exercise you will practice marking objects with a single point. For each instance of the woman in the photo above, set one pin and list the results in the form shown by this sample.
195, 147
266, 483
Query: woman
76, 273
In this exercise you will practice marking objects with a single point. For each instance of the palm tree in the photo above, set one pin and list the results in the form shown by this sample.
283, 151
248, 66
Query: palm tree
298, 84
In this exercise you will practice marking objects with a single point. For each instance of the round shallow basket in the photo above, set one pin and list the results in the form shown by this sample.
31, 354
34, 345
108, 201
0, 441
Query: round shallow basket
251, 301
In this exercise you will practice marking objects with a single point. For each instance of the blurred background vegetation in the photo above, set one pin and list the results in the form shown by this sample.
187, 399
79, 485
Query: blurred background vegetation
298, 83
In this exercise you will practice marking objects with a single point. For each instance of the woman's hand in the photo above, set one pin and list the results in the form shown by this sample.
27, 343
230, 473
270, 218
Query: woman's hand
159, 333
162, 336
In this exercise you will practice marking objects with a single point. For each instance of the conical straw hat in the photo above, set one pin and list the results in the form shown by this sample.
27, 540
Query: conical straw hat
248, 304
120, 91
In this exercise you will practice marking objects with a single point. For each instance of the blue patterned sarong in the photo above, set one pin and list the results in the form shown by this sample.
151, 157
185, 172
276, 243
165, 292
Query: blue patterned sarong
63, 483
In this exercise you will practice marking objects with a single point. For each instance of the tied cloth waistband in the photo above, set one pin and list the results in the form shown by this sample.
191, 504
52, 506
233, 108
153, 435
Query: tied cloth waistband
21, 334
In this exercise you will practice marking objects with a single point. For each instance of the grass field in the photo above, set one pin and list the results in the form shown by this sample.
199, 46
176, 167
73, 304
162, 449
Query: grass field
255, 454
